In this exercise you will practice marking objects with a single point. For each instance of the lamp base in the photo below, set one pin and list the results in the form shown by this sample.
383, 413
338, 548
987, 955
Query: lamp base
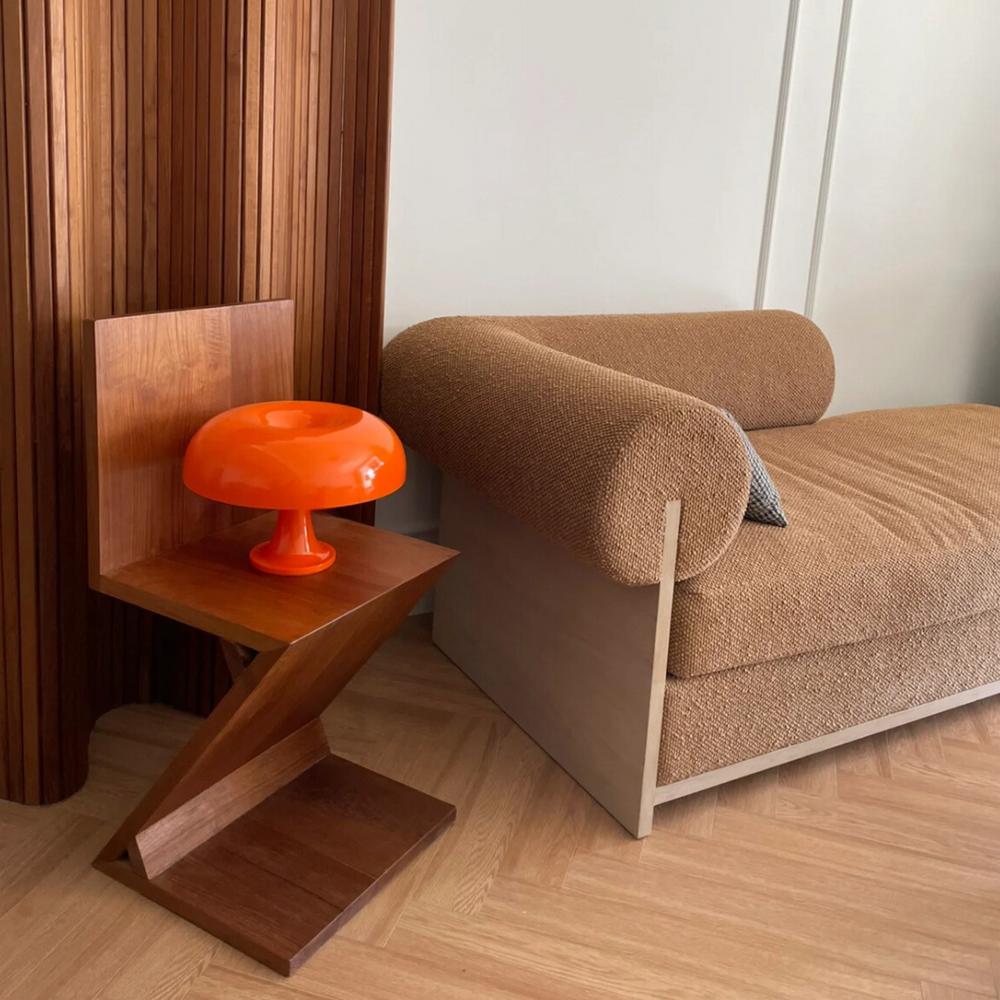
293, 549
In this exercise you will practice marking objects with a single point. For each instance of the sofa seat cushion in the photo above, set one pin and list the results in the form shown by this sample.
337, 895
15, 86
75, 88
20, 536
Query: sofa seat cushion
893, 526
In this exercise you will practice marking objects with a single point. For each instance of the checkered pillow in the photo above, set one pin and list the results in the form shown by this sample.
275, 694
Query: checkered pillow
764, 504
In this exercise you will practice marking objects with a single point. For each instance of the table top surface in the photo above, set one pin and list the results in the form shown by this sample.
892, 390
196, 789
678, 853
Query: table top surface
211, 585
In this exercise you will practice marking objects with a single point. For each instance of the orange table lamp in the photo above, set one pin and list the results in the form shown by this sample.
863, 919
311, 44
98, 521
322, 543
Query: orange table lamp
294, 457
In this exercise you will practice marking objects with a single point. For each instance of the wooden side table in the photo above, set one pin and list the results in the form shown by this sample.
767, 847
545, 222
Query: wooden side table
255, 832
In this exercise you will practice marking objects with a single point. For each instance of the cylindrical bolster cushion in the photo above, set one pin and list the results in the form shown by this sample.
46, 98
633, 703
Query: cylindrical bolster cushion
586, 455
769, 368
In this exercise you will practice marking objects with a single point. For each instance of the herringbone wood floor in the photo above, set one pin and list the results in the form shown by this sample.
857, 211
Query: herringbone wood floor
871, 871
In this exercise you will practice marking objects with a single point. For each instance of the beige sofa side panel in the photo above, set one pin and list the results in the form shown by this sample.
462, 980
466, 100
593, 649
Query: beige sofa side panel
575, 659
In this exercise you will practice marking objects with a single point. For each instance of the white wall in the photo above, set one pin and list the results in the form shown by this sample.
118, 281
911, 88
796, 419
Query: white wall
661, 155
908, 287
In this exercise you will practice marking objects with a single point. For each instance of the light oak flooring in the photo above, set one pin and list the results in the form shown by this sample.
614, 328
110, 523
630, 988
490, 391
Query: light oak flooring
870, 871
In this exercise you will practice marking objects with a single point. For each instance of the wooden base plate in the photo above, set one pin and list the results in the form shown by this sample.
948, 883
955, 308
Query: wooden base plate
279, 881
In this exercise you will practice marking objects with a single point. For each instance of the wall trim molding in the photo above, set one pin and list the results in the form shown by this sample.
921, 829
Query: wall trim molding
828, 153
777, 149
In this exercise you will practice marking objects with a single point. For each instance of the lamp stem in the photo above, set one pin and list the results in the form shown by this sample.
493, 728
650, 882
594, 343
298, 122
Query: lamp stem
293, 549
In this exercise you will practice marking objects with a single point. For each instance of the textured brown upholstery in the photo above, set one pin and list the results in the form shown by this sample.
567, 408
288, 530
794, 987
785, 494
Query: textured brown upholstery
894, 525
584, 427
769, 368
718, 719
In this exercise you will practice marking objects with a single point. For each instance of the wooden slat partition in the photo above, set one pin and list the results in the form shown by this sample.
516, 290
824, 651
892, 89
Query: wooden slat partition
159, 154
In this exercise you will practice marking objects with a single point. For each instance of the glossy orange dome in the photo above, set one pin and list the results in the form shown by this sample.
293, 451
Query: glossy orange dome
294, 455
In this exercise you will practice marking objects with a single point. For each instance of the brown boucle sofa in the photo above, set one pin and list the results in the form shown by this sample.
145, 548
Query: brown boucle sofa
612, 599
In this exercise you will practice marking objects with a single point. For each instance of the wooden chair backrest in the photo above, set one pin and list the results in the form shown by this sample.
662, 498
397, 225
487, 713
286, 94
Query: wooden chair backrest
150, 382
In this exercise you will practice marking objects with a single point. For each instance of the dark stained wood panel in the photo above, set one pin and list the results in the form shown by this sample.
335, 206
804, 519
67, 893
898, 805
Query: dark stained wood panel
317, 850
141, 422
258, 609
161, 154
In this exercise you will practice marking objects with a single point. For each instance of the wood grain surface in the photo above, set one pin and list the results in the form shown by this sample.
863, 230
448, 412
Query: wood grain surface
280, 880
161, 154
157, 846
150, 381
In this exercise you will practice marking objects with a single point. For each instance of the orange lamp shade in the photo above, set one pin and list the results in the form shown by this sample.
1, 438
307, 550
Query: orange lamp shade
294, 457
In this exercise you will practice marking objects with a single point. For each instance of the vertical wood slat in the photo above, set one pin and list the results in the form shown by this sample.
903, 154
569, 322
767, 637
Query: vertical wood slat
188, 145
328, 131
43, 702
216, 152
41, 695
76, 693
119, 154
300, 154
343, 88
202, 95
232, 239
164, 148
103, 179
380, 166
11, 781
305, 281
281, 220
265, 233
132, 77
154, 154
23, 683
174, 291
349, 348
150, 152
61, 712
363, 287
251, 147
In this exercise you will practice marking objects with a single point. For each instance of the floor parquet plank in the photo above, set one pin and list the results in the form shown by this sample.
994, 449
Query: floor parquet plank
546, 838
345, 970
807, 878
166, 967
449, 766
895, 866
757, 794
27, 855
816, 775
881, 824
967, 724
97, 949
918, 739
873, 952
530, 957
486, 824
935, 991
35, 927
931, 802
600, 834
952, 783
867, 756
693, 816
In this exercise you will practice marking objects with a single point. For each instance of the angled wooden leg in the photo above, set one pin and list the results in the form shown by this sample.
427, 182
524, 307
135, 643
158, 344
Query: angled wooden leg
256, 832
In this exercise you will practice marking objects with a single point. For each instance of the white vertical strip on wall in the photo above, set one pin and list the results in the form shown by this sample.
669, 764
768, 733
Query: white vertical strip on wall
798, 178
787, 60
831, 139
